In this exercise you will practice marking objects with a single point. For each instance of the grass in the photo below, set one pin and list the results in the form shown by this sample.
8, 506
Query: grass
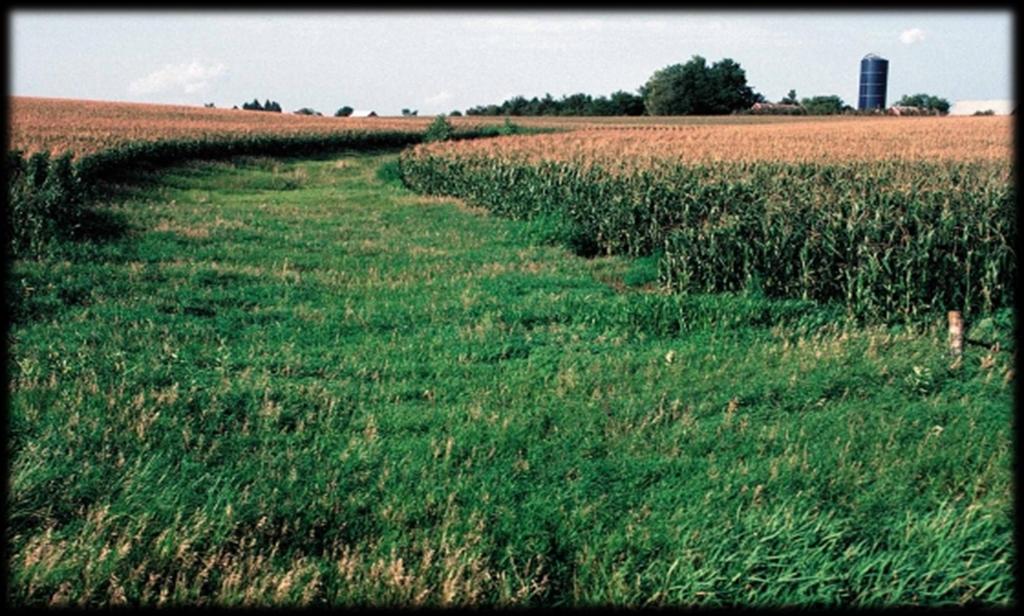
294, 382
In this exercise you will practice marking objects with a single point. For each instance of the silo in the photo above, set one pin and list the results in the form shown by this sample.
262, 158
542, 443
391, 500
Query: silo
874, 73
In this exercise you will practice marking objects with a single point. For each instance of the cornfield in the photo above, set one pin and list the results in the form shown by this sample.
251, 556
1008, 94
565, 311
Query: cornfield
85, 127
886, 216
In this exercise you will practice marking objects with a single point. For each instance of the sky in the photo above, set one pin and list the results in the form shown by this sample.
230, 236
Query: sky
439, 61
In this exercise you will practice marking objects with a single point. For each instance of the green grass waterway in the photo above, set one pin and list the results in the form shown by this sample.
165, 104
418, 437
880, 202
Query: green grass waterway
296, 382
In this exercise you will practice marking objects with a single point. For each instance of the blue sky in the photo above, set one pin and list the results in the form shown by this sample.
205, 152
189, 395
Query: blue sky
438, 61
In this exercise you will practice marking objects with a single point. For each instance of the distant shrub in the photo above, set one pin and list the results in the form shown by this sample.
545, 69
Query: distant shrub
439, 130
508, 128
256, 106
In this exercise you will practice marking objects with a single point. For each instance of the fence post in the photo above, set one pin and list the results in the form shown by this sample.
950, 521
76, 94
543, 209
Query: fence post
956, 336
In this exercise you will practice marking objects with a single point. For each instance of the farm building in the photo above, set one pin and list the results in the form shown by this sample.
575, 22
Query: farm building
874, 76
780, 108
363, 113
999, 106
908, 110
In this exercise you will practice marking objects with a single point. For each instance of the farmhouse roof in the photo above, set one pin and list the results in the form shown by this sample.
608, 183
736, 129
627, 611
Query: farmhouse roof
767, 105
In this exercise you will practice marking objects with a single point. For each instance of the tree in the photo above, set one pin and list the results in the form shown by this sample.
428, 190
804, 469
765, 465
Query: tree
516, 106
575, 104
925, 101
600, 106
790, 99
508, 128
409, 112
695, 88
823, 105
730, 91
627, 103
455, 113
439, 130
547, 105
256, 106
343, 112
307, 111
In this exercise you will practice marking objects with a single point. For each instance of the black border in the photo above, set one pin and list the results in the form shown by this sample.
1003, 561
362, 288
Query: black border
744, 6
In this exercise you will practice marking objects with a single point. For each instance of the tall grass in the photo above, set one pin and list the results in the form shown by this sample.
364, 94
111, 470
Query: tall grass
296, 383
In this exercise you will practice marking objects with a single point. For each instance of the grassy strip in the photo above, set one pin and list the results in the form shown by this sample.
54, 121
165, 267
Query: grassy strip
295, 383
47, 199
885, 240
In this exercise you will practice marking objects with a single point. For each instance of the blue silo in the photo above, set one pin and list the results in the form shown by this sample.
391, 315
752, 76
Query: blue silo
874, 73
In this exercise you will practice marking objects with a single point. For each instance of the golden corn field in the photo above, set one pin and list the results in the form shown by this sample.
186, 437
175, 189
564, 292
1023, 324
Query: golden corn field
848, 139
85, 127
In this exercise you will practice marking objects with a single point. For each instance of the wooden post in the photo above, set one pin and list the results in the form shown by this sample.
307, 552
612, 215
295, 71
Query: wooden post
956, 335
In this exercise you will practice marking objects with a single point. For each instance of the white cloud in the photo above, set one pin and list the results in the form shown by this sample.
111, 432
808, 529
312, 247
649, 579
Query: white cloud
187, 78
437, 99
911, 36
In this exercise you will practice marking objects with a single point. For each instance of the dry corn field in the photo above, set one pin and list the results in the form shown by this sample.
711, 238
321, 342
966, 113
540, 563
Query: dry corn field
829, 140
85, 127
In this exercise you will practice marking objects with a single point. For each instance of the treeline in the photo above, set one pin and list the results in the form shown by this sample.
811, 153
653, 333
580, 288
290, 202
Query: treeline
831, 104
620, 103
256, 106
695, 87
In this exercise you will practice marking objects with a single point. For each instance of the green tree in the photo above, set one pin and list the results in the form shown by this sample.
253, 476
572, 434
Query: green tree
508, 128
600, 106
790, 99
575, 104
695, 88
925, 101
627, 103
516, 106
344, 112
439, 130
823, 105
547, 105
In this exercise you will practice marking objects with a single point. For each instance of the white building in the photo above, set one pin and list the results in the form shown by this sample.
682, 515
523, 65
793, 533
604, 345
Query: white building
999, 106
363, 113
